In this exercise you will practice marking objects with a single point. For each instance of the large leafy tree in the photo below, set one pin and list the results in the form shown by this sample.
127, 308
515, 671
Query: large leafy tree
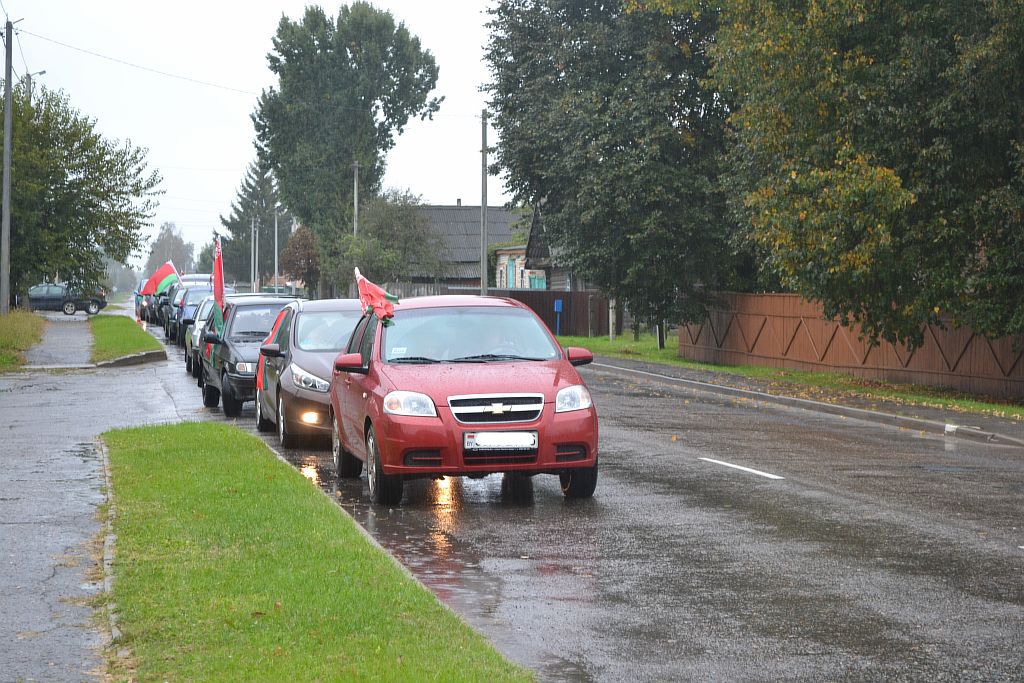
346, 87
607, 125
394, 242
255, 203
169, 245
77, 198
879, 155
300, 258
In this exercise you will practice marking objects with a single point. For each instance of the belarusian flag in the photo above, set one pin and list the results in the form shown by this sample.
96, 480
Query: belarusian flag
218, 295
165, 276
374, 299
268, 340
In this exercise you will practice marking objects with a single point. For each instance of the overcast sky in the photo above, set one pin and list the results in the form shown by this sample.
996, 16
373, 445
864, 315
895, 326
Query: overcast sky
200, 137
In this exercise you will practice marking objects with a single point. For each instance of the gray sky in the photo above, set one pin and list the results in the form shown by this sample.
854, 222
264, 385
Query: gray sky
200, 137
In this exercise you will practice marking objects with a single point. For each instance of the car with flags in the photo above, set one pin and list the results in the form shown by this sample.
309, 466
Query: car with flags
233, 349
459, 386
293, 378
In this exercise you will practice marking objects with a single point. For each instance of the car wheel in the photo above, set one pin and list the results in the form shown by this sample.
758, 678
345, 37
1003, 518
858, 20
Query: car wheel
385, 489
580, 482
211, 395
188, 363
93, 308
232, 406
263, 423
286, 438
346, 465
68, 308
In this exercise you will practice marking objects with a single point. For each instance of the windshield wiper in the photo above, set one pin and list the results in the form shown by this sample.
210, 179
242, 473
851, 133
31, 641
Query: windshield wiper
484, 357
413, 359
249, 333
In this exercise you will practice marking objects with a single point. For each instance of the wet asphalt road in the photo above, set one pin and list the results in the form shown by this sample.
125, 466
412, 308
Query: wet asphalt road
880, 554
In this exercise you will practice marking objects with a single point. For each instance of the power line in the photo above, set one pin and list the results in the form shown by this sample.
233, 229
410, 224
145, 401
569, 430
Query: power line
22, 51
139, 66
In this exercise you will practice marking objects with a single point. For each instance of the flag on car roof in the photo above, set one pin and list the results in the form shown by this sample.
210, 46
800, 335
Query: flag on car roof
165, 276
374, 299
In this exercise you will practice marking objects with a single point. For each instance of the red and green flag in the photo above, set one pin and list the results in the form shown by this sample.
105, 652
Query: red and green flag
165, 276
375, 300
268, 340
218, 295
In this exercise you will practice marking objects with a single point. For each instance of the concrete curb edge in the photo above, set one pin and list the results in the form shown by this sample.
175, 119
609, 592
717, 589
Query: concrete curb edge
134, 359
109, 540
832, 408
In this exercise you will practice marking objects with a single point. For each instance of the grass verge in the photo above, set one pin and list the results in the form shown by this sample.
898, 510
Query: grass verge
114, 336
231, 566
19, 331
821, 385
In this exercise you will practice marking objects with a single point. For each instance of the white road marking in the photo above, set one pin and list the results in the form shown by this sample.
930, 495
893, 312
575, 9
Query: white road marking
745, 469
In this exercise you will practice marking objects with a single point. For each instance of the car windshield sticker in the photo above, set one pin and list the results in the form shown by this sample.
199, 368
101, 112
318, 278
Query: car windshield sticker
397, 350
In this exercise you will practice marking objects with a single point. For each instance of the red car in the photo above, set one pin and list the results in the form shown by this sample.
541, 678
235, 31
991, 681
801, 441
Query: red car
461, 385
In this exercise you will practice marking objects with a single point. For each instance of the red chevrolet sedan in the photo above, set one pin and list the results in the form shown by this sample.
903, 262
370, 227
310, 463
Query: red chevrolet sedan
461, 385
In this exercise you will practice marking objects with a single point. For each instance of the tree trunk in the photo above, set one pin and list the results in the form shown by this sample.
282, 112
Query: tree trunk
661, 334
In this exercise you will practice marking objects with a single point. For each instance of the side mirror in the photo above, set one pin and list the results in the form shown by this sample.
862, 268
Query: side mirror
188, 321
210, 337
271, 350
349, 362
579, 356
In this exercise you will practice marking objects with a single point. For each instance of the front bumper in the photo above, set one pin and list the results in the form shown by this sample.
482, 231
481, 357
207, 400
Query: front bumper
243, 387
434, 445
307, 411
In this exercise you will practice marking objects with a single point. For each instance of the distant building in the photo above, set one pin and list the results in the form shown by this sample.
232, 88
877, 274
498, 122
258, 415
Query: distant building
512, 273
540, 257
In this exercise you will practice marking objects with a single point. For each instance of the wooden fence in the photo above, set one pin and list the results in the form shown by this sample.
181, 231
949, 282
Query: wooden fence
783, 330
584, 313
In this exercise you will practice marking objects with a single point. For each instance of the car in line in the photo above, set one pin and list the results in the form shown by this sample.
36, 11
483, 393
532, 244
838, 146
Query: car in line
461, 385
297, 366
229, 368
194, 344
62, 297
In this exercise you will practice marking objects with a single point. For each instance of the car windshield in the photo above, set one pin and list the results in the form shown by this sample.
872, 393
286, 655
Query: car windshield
253, 322
204, 310
178, 296
325, 330
194, 296
470, 334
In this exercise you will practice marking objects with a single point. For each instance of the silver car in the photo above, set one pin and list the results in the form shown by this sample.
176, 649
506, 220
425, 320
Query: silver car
193, 343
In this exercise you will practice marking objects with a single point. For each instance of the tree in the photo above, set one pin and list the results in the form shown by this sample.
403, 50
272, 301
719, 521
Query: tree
256, 202
77, 197
879, 155
346, 88
300, 259
607, 126
169, 246
204, 261
119, 276
394, 242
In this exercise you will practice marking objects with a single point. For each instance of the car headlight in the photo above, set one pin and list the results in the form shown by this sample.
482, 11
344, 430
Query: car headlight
573, 398
307, 380
245, 367
409, 403
145, 303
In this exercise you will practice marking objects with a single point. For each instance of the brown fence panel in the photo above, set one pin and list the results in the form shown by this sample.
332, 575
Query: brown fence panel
783, 330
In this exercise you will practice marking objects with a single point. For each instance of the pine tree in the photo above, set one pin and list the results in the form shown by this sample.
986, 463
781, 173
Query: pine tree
255, 202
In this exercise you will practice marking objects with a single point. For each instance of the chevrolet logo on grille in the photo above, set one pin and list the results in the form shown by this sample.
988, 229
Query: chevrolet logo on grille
499, 409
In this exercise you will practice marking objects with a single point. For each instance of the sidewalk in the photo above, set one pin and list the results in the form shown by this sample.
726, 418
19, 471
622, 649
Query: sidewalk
67, 342
972, 425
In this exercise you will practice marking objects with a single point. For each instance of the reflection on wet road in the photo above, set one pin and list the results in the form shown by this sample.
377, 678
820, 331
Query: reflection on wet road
882, 554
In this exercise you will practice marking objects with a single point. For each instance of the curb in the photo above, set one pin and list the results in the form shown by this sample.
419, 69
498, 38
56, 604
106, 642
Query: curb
120, 362
108, 548
890, 419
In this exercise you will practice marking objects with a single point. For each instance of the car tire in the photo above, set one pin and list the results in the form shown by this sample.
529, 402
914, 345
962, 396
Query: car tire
188, 363
232, 406
68, 308
93, 308
285, 437
385, 489
211, 396
346, 465
580, 482
263, 423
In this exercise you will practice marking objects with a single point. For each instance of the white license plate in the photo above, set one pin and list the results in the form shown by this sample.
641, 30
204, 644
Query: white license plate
499, 440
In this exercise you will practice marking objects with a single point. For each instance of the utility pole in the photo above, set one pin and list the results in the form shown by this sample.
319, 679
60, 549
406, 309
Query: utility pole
5, 237
275, 249
483, 204
256, 262
252, 253
28, 84
355, 199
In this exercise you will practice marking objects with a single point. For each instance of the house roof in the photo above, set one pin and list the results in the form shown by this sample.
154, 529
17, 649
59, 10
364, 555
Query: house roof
458, 228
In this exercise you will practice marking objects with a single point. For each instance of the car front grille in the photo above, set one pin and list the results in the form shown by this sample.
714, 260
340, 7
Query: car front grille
498, 457
496, 408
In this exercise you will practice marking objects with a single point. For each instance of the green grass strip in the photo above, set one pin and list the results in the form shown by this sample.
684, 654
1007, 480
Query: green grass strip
231, 566
19, 331
806, 384
114, 336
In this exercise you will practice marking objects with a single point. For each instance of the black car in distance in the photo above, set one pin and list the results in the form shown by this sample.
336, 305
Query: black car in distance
229, 369
297, 367
50, 297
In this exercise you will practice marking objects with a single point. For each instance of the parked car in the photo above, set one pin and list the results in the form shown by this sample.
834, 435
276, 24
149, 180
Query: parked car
461, 385
229, 370
175, 304
193, 363
51, 297
298, 364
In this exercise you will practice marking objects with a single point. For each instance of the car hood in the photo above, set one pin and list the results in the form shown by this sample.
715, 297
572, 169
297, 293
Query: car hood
320, 363
245, 351
454, 379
